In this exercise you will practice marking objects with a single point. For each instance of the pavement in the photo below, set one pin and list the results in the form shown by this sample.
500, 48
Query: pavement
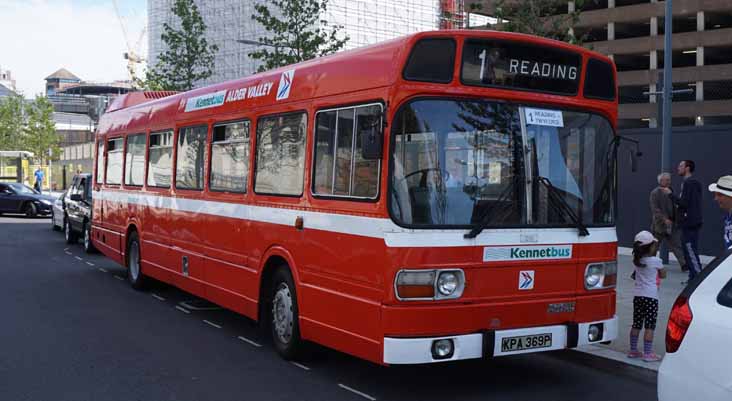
74, 330
671, 287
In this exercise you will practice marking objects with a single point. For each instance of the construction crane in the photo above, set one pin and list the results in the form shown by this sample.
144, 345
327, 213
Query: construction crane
132, 55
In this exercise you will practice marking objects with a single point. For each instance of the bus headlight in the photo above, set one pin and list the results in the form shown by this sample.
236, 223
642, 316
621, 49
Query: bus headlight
429, 284
601, 275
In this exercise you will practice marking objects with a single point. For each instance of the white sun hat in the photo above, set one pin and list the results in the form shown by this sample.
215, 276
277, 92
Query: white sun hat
645, 238
723, 186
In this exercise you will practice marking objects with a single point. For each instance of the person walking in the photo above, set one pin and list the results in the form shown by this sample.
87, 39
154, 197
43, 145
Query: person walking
722, 191
39, 179
690, 214
664, 225
648, 269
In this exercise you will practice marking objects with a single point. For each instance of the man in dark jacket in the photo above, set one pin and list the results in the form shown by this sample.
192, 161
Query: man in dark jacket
664, 224
690, 214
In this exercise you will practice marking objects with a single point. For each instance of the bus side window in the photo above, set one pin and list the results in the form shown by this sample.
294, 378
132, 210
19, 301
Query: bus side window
114, 161
135, 160
230, 157
100, 162
160, 160
190, 156
281, 154
339, 167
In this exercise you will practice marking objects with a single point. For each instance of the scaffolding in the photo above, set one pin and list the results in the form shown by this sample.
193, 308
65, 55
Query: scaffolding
364, 21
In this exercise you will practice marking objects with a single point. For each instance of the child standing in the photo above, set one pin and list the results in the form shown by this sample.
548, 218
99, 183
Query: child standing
648, 268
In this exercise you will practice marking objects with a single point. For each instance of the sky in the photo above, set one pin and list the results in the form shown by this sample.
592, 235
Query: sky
37, 37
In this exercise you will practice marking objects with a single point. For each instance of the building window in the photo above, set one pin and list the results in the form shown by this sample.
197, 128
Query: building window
160, 164
114, 161
190, 156
340, 169
281, 154
230, 157
100, 161
135, 160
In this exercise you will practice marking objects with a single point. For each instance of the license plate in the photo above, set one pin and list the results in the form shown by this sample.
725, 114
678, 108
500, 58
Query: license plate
520, 343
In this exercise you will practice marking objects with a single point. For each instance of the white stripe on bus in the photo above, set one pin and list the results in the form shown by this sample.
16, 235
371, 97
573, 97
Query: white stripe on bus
372, 227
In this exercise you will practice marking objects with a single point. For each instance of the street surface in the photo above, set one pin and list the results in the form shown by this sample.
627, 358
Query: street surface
73, 329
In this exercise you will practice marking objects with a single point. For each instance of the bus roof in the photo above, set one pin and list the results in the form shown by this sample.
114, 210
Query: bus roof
354, 70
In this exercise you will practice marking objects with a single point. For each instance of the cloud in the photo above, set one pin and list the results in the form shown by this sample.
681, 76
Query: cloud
41, 36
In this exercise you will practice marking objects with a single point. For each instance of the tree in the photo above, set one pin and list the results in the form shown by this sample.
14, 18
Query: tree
545, 18
299, 35
11, 122
189, 57
40, 130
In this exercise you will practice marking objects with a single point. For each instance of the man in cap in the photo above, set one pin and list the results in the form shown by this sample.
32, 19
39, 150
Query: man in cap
722, 191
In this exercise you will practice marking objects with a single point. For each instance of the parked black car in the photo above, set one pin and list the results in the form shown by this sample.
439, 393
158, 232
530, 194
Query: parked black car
77, 211
19, 198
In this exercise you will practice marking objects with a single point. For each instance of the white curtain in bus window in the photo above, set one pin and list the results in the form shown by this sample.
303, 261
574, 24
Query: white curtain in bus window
135, 160
161, 156
114, 161
190, 157
281, 154
340, 169
230, 157
100, 162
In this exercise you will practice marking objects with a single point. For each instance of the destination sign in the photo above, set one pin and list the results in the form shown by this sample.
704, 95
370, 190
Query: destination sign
499, 63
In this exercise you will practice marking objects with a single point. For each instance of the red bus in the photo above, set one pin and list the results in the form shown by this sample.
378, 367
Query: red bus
442, 196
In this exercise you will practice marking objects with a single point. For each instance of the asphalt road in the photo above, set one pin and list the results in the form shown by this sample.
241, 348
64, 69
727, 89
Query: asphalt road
73, 329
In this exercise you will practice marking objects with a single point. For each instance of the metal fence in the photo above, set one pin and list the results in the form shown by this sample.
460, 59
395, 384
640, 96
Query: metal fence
709, 146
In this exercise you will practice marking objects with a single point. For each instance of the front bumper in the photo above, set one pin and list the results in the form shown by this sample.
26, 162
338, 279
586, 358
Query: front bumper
489, 343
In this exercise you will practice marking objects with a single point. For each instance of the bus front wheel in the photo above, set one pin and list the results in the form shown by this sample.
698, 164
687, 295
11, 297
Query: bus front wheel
284, 324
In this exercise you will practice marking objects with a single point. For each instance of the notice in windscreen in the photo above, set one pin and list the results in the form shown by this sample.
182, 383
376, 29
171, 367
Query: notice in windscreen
549, 118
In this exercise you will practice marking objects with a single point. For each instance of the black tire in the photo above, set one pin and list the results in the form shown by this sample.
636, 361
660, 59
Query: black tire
69, 234
87, 239
283, 303
133, 256
30, 210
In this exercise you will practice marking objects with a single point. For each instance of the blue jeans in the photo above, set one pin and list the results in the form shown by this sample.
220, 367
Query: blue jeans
690, 243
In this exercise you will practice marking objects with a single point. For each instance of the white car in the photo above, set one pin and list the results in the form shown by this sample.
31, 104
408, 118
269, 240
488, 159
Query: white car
57, 213
699, 338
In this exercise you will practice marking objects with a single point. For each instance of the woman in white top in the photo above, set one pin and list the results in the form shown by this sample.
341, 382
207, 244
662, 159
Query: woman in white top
648, 270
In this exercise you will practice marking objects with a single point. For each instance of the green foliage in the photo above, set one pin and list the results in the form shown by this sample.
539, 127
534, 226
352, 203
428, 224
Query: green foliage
299, 35
11, 122
545, 18
189, 57
29, 126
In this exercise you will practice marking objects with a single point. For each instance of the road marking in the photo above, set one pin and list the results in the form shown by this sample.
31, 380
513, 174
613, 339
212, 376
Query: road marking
103, 270
299, 365
90, 263
66, 249
78, 258
119, 277
68, 253
184, 310
158, 297
212, 324
248, 341
354, 391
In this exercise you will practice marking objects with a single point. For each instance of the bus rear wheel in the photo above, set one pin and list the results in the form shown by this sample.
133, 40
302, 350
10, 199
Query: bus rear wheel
285, 325
134, 267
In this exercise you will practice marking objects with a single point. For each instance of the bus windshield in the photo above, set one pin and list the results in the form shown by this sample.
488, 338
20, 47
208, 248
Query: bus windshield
460, 163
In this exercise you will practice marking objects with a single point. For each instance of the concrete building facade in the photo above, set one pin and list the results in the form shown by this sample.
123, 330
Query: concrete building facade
631, 31
364, 21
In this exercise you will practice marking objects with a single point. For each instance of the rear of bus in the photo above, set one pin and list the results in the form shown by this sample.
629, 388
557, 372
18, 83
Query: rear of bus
501, 191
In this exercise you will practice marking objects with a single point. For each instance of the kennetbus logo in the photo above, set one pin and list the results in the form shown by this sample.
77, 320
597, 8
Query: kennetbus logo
551, 252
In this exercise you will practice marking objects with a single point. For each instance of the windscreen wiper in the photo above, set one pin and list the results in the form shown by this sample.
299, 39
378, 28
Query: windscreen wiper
562, 206
492, 211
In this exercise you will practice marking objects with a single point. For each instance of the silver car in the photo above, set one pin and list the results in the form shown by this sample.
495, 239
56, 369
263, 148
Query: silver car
57, 212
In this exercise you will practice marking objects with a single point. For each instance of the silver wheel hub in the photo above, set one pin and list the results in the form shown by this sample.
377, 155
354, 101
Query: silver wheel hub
134, 261
282, 314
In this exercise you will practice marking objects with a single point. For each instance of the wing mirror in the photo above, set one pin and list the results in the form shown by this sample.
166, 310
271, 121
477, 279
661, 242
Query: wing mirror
76, 197
372, 137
